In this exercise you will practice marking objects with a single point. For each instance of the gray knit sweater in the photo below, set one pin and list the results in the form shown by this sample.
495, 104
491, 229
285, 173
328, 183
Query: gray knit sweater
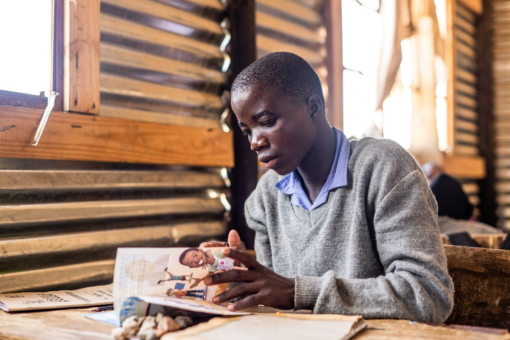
373, 248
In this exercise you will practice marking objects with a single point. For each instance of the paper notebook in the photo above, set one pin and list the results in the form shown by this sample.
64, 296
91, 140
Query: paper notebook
86, 297
275, 326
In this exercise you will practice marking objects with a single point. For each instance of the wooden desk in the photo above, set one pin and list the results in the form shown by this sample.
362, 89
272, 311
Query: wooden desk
70, 324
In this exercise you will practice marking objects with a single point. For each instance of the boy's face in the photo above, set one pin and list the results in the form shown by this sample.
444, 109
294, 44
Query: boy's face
278, 127
194, 259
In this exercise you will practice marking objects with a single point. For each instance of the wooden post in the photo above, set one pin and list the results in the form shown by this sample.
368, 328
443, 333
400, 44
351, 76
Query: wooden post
333, 19
243, 176
81, 56
486, 114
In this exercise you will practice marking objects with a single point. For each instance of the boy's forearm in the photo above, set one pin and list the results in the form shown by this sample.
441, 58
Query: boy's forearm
394, 296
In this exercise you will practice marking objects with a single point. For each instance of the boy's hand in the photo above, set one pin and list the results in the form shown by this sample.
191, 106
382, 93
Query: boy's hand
262, 287
234, 242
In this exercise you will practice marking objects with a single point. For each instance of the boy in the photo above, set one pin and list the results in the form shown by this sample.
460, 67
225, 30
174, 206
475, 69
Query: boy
341, 227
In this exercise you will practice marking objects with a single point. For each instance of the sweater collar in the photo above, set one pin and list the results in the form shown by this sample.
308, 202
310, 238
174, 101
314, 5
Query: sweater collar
291, 184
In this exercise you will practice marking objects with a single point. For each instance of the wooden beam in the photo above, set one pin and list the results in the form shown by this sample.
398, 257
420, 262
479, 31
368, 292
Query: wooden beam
30, 214
333, 20
24, 249
89, 180
474, 5
80, 274
105, 139
464, 167
244, 175
485, 96
81, 56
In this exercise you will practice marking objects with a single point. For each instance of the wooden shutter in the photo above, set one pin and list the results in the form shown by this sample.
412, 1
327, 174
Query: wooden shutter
293, 26
463, 110
465, 136
163, 62
501, 89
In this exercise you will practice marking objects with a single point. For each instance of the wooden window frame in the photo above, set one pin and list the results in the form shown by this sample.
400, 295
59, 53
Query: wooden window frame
331, 13
71, 136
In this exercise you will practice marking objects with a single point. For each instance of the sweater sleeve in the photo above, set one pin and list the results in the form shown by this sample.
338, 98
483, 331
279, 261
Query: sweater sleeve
416, 284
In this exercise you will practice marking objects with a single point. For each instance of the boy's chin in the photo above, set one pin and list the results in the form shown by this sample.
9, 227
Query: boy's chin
283, 172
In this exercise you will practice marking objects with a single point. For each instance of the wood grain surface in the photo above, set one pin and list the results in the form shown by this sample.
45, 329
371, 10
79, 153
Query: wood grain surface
83, 137
81, 56
481, 278
70, 324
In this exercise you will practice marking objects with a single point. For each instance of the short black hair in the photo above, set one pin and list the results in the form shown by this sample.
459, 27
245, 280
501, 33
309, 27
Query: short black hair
285, 72
181, 258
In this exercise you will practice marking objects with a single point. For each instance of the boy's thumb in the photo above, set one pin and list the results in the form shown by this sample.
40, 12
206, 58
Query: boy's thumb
234, 241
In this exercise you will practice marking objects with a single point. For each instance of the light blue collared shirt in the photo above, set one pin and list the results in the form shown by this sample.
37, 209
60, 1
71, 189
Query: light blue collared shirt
291, 185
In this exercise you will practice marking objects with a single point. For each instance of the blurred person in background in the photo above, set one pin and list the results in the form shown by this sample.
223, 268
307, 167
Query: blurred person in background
454, 209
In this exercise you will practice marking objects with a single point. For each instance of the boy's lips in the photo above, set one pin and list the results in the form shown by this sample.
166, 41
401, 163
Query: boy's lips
268, 161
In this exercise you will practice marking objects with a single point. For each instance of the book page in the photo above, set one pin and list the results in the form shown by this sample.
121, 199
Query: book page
256, 327
193, 306
86, 297
167, 272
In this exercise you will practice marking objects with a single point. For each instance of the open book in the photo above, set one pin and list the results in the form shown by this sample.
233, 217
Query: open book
171, 277
86, 297
168, 277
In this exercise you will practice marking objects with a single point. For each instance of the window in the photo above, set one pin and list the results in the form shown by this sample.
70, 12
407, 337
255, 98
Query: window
361, 41
28, 68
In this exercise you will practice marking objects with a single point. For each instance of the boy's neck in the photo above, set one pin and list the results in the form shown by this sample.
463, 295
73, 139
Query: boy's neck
316, 166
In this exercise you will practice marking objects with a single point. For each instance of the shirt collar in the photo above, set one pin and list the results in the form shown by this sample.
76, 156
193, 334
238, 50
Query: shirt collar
291, 185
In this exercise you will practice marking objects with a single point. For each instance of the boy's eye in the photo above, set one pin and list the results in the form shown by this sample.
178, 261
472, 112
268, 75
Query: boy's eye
269, 122
246, 132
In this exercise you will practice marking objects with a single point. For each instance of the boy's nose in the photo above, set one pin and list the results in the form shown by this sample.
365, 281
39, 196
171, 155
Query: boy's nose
258, 142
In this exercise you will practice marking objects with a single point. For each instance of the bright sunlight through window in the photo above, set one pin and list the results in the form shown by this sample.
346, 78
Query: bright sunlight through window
27, 30
361, 46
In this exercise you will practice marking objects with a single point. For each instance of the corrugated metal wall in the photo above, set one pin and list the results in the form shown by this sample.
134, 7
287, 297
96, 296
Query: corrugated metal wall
161, 61
501, 76
466, 104
164, 60
293, 26
62, 222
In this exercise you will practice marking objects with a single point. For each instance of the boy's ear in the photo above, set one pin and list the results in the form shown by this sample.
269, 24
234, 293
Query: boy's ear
314, 106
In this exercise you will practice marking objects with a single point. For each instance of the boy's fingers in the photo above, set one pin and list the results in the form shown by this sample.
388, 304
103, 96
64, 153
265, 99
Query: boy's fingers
213, 244
241, 256
240, 290
234, 275
234, 241
247, 302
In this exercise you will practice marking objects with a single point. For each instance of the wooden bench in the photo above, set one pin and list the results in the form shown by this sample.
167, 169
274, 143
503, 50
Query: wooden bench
481, 277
